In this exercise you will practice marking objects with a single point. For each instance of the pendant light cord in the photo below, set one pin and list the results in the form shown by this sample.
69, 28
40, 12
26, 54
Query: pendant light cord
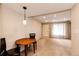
24, 12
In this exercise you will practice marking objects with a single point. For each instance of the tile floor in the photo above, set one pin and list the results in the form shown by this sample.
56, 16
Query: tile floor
52, 47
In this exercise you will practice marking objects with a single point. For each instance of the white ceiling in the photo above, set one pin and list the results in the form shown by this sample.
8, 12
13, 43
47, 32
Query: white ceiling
57, 17
34, 9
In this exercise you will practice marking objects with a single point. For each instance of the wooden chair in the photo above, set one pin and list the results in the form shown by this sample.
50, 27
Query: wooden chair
32, 36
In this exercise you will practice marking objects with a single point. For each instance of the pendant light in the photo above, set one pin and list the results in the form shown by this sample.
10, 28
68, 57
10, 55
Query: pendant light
24, 21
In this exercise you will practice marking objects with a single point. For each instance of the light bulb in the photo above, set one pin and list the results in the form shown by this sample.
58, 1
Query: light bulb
44, 17
24, 22
65, 19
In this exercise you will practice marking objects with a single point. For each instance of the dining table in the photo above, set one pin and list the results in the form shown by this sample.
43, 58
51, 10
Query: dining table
25, 42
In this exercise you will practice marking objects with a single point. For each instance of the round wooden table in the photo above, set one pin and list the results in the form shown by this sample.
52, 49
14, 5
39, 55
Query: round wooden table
25, 42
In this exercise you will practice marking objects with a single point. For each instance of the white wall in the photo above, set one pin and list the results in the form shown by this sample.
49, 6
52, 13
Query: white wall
0, 23
14, 29
75, 30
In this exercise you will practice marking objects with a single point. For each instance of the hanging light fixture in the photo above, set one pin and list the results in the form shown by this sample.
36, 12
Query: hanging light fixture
24, 21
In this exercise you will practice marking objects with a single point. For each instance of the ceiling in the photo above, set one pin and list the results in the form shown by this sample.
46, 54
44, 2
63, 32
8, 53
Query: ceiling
34, 9
57, 17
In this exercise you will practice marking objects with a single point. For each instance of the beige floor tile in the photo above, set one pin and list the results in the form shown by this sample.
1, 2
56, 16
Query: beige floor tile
52, 47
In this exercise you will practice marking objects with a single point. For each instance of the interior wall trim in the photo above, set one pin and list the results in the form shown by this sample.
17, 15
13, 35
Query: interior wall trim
50, 13
57, 22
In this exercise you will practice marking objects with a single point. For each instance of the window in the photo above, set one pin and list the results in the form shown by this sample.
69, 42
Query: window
58, 29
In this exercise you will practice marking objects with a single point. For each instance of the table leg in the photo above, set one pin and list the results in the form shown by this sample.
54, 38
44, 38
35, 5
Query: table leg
26, 50
18, 49
34, 47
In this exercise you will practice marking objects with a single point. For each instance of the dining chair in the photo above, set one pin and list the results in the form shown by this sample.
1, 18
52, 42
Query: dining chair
0, 46
32, 36
5, 52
